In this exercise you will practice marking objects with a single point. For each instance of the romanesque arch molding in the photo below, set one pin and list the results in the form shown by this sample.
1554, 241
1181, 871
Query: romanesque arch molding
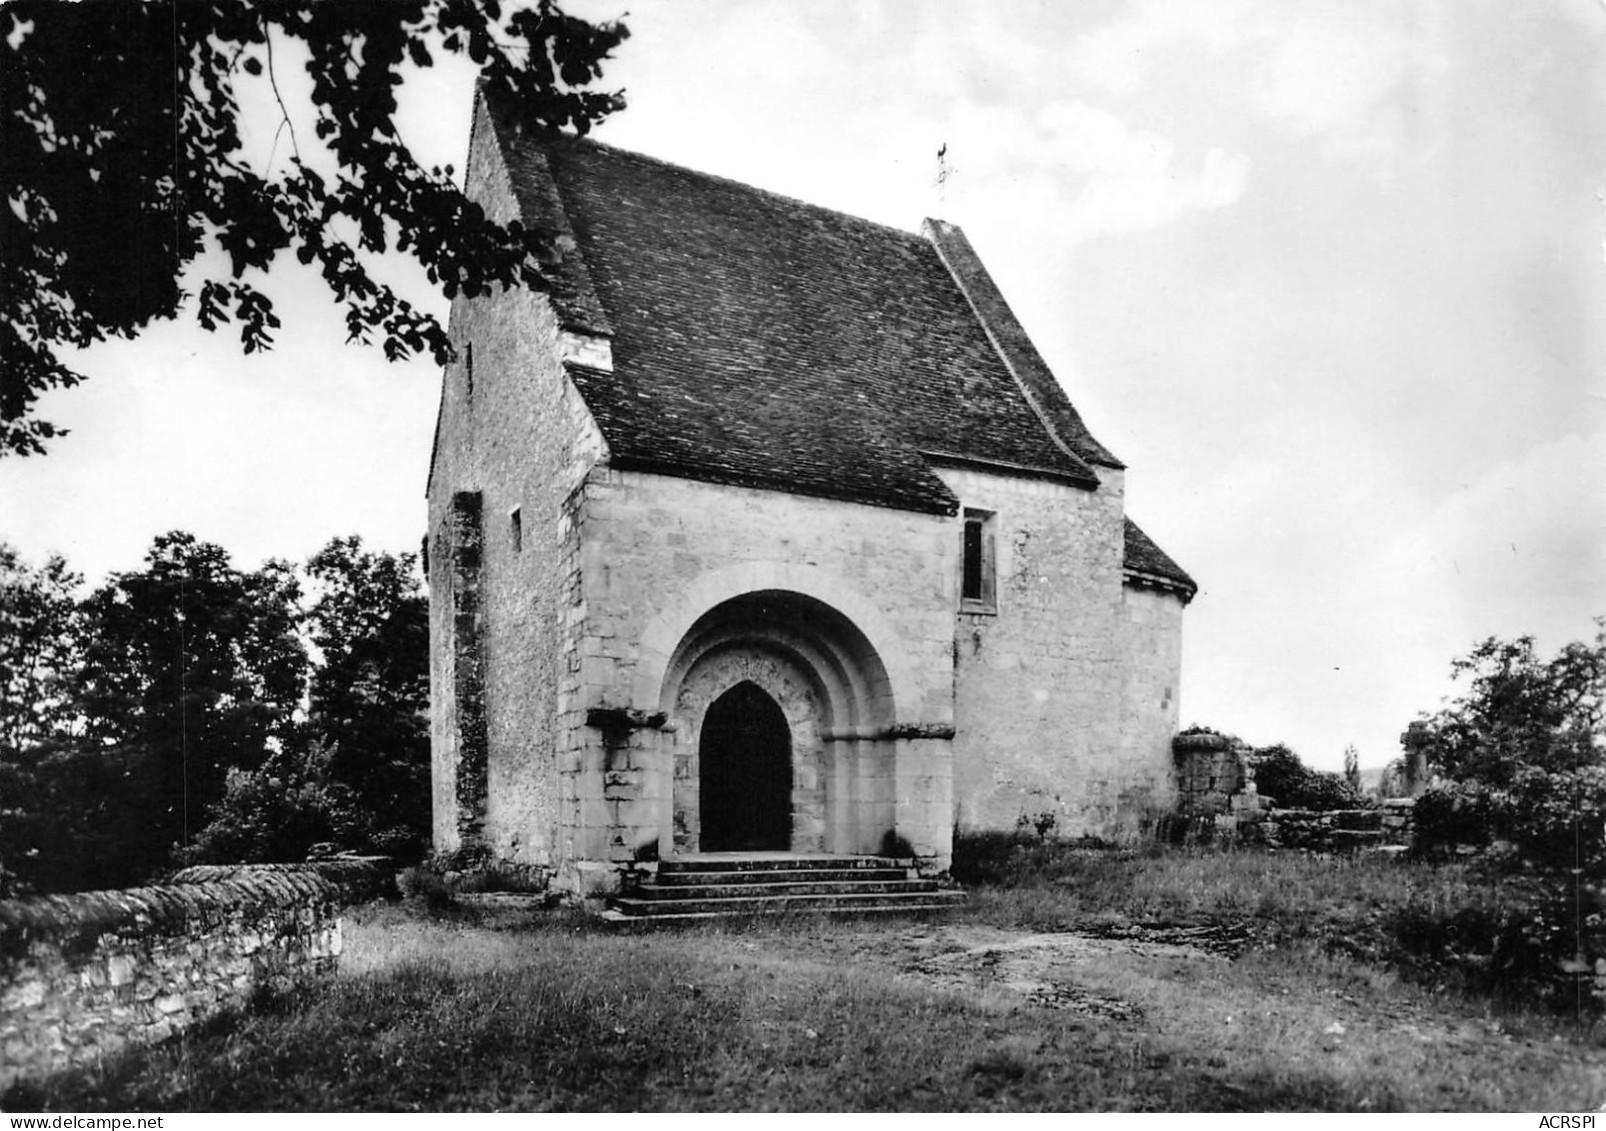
831, 686
665, 634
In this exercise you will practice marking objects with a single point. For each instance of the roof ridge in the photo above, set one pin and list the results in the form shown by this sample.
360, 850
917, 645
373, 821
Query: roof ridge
911, 236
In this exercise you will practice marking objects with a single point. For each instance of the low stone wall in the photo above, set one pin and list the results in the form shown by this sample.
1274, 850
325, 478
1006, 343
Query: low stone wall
357, 879
1391, 825
82, 975
1217, 801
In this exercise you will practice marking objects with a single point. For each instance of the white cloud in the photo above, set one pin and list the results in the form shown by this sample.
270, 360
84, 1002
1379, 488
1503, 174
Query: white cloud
1083, 171
1342, 622
1366, 81
1520, 550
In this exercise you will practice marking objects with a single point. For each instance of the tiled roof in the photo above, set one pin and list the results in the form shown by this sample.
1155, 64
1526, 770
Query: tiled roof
1013, 344
1149, 562
767, 342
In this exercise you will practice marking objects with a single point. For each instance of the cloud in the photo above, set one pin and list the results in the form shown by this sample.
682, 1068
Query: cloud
1343, 619
1083, 171
1525, 540
1368, 82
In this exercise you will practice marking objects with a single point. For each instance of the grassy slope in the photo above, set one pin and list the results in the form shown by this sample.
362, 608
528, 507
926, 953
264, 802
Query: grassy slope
458, 1015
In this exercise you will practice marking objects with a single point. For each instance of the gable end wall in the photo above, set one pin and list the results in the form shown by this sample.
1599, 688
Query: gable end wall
524, 440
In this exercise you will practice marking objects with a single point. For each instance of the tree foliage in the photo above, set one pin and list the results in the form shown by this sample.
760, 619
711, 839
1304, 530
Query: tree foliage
174, 713
369, 696
1519, 760
1522, 712
191, 667
1290, 784
1521, 755
120, 123
40, 646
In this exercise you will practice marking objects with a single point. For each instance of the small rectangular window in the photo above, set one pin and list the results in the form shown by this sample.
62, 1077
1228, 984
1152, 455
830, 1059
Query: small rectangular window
515, 530
977, 588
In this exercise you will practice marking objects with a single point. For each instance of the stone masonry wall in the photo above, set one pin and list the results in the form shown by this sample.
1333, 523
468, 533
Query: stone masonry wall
514, 429
1217, 800
82, 975
1210, 771
1391, 824
655, 542
1041, 698
660, 552
1151, 667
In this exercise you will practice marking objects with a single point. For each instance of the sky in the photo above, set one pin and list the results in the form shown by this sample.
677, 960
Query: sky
1330, 278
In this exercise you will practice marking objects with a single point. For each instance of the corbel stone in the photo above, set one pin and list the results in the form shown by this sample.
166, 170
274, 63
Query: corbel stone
625, 718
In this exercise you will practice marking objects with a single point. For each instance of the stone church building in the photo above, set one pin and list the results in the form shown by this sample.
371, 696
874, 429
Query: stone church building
769, 530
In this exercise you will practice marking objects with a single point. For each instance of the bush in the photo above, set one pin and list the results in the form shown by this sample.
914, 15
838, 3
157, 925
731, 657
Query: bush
1536, 942
277, 814
1282, 777
1021, 857
1450, 816
424, 883
1556, 820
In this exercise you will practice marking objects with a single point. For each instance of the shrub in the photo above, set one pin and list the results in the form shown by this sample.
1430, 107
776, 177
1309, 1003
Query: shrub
896, 846
1450, 816
426, 884
1536, 942
1556, 820
985, 857
1021, 857
1281, 776
276, 814
1520, 761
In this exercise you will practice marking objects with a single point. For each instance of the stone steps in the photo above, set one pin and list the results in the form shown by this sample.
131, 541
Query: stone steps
775, 862
722, 885
748, 888
622, 918
784, 876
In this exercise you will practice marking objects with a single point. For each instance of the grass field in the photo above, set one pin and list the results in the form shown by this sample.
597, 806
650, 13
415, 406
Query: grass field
1079, 981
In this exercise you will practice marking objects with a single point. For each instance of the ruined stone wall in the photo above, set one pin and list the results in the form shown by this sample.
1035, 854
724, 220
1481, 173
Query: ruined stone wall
1040, 686
516, 432
1391, 824
85, 974
1210, 771
1217, 800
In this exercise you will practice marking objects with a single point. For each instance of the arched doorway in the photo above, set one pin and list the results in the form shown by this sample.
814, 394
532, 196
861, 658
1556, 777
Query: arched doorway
745, 773
833, 695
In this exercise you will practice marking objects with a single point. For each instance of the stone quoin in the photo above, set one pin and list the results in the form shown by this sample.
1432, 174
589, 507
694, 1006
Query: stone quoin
766, 528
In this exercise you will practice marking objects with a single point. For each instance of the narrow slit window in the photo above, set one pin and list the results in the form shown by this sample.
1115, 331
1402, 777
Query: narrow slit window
468, 370
972, 589
515, 530
977, 592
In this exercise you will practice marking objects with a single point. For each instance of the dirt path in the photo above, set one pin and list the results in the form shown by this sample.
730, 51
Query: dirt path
1041, 968
1205, 995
